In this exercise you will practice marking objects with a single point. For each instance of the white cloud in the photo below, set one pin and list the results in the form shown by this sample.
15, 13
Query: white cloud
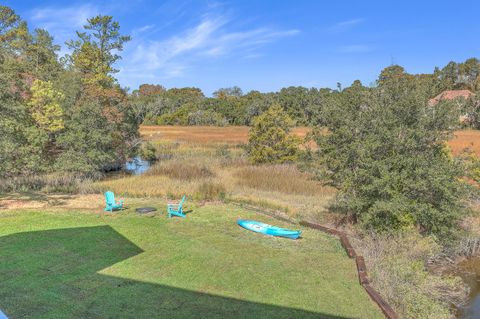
151, 57
140, 30
250, 38
61, 20
209, 39
345, 25
156, 54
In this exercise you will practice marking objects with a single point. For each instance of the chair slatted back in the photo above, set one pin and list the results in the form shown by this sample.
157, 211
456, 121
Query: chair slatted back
109, 198
180, 205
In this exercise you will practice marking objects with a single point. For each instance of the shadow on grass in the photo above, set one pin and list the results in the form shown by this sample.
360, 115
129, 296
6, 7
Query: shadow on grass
53, 274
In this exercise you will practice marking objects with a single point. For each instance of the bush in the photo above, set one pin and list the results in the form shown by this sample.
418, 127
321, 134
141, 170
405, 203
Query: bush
385, 152
269, 140
148, 152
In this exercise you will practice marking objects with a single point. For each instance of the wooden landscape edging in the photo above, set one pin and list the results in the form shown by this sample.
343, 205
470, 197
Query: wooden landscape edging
359, 260
361, 268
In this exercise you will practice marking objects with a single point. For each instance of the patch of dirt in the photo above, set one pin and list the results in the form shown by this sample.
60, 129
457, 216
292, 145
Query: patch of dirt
32, 201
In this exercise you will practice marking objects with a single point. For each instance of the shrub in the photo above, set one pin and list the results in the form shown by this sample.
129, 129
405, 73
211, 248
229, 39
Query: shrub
269, 140
148, 152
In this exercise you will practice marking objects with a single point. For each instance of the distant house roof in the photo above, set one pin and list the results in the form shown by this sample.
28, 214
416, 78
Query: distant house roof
451, 95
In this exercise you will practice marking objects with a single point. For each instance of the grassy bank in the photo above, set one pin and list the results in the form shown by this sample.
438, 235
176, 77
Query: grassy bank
84, 263
210, 163
216, 171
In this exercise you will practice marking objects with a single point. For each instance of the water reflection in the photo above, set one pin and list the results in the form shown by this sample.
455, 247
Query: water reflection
470, 272
137, 166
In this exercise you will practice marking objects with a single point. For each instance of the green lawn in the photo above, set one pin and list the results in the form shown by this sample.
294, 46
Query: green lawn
86, 264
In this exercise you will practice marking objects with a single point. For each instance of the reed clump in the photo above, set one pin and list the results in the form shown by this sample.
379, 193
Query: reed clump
280, 178
181, 170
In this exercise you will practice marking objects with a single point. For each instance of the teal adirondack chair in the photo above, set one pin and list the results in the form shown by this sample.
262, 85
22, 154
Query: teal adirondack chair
110, 203
176, 209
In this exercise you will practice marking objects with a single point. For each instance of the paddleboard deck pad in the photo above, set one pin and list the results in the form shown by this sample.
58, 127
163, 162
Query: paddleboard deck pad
270, 230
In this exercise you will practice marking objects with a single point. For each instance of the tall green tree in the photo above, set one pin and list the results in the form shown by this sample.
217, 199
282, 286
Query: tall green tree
22, 146
43, 56
295, 101
95, 54
103, 142
385, 152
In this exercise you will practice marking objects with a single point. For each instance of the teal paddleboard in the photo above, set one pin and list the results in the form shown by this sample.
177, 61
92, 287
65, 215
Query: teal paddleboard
266, 229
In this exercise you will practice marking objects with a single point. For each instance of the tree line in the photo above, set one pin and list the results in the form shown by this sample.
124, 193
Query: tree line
156, 105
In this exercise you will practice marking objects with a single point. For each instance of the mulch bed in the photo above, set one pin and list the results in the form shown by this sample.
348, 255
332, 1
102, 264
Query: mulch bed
145, 210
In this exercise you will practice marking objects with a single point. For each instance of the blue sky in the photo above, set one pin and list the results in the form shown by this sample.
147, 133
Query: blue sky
267, 45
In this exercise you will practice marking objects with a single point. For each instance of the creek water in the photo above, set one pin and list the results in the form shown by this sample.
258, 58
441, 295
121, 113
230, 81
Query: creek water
137, 166
469, 270
134, 166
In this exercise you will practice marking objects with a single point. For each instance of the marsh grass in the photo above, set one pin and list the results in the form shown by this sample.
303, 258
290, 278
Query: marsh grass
211, 190
204, 134
285, 179
214, 171
49, 183
181, 170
